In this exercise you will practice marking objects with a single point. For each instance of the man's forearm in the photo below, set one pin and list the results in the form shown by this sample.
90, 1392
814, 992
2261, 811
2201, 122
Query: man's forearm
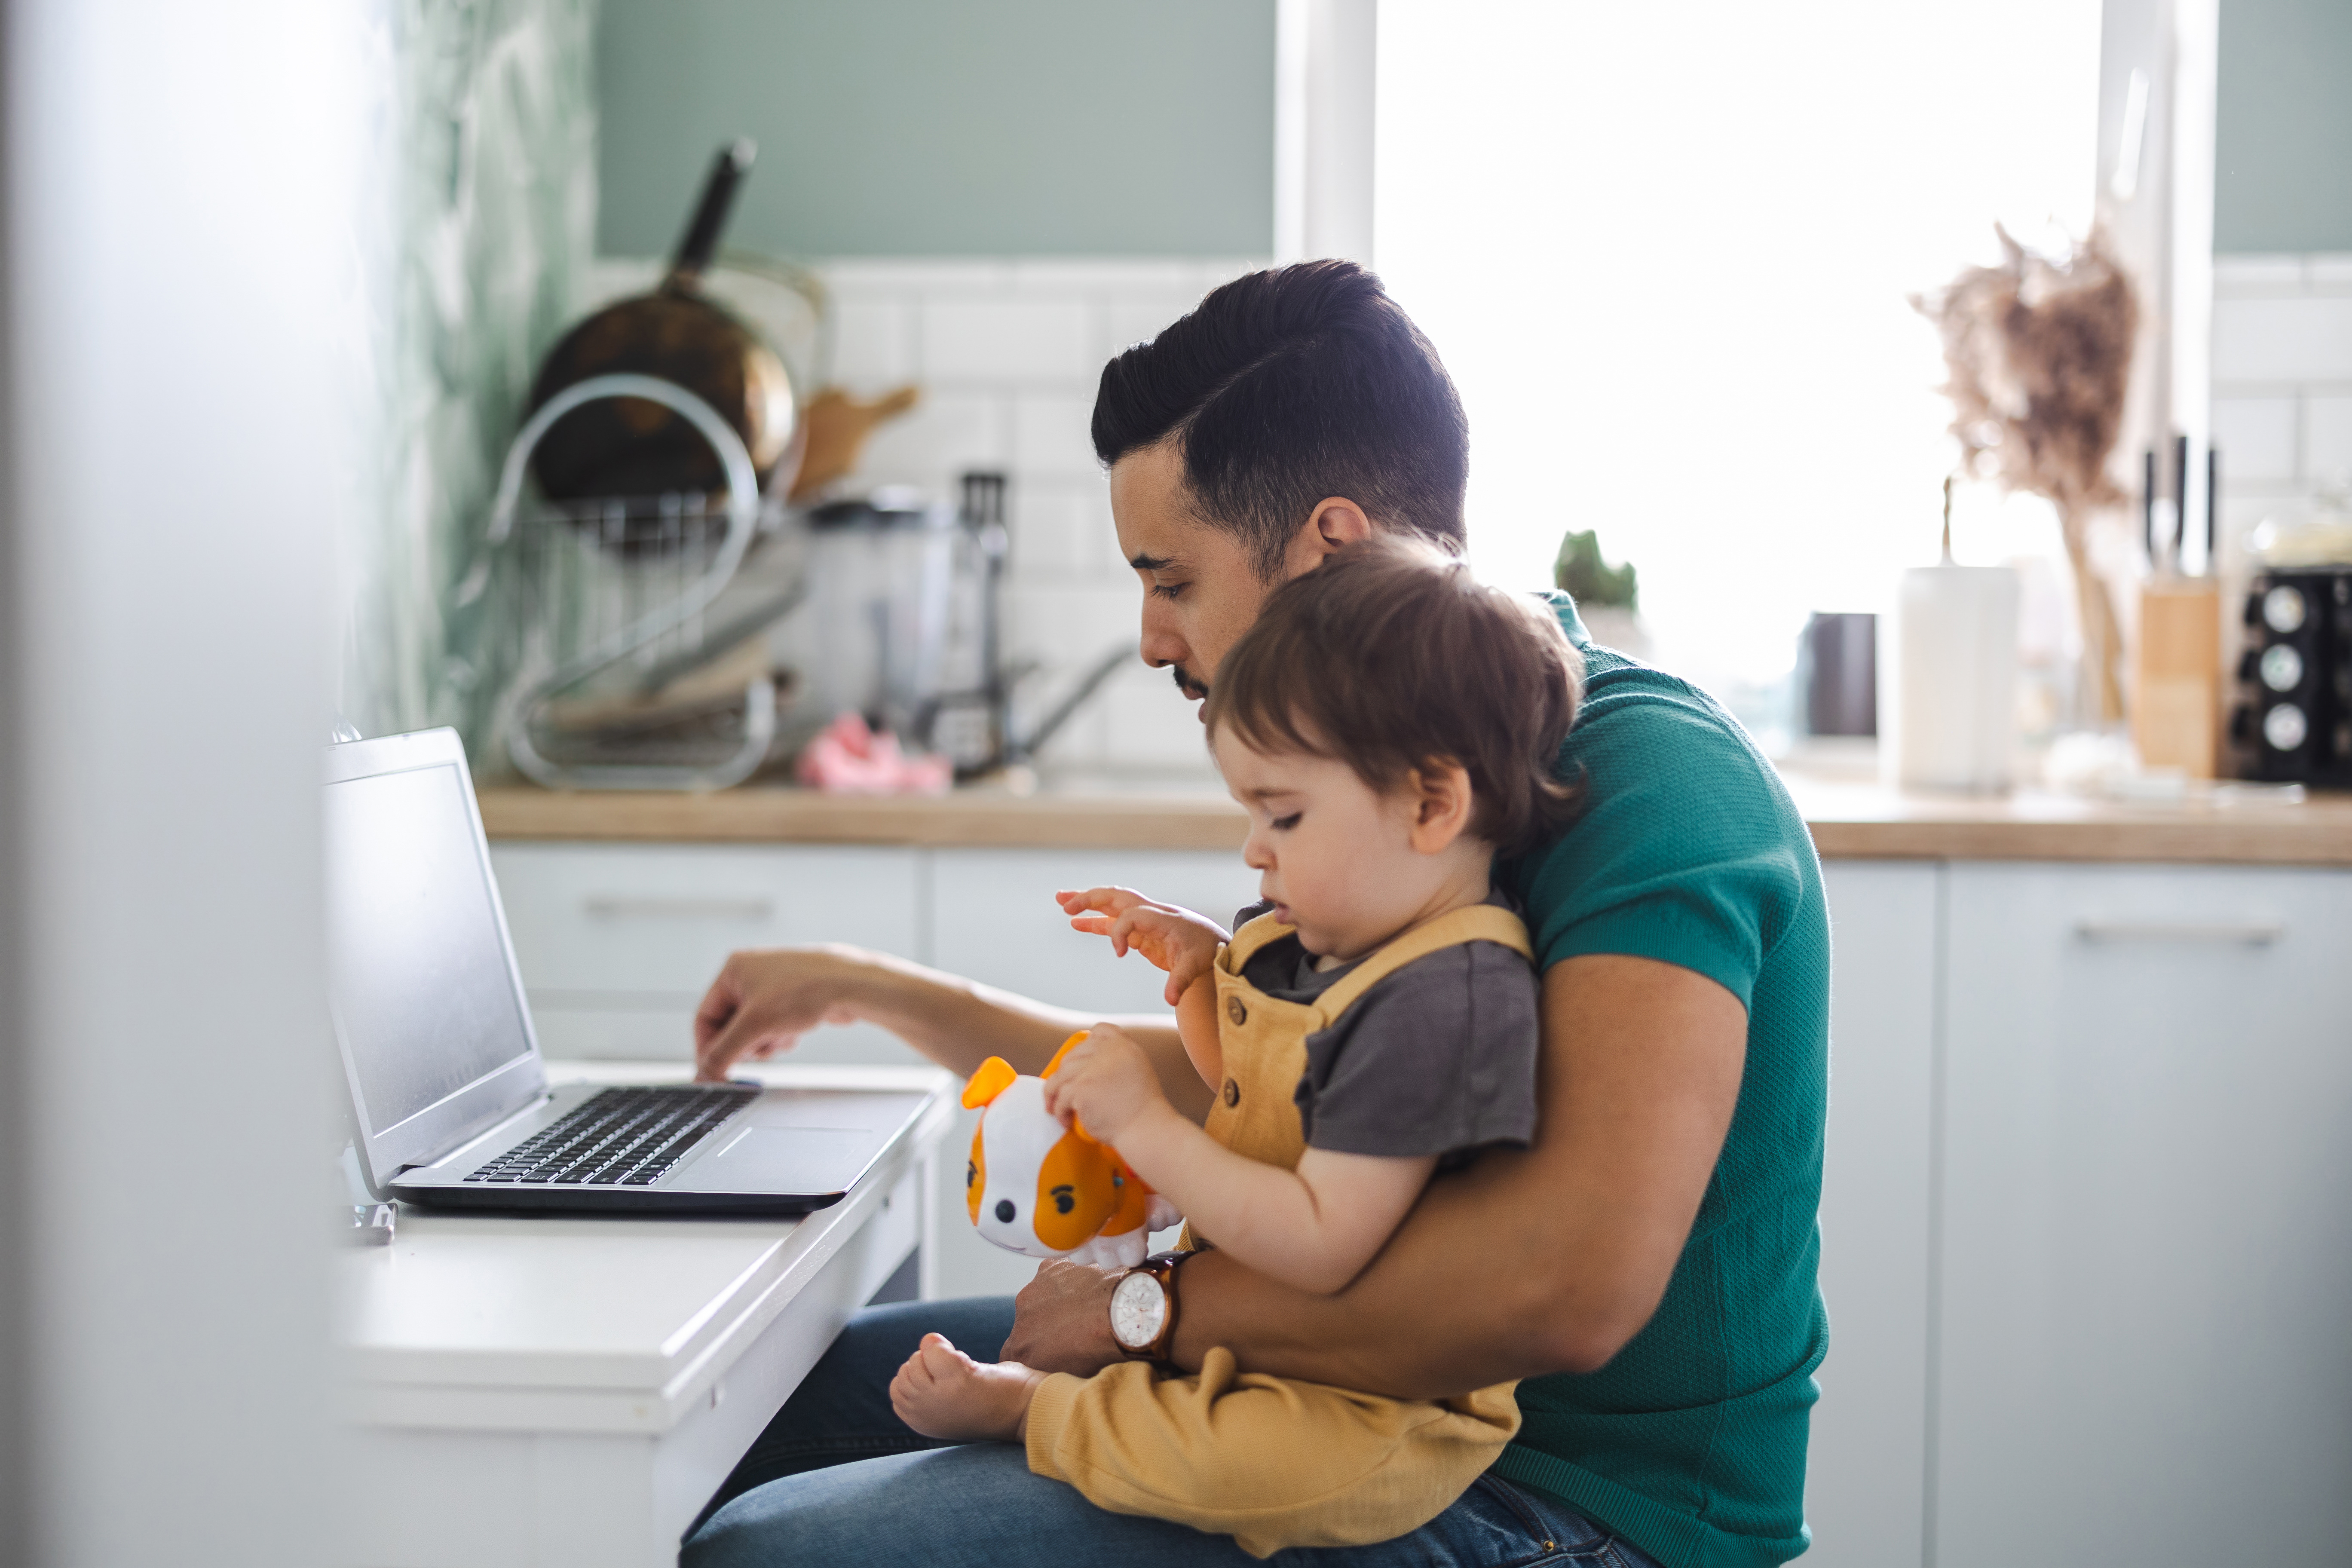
1396, 1330
960, 1024
1529, 1262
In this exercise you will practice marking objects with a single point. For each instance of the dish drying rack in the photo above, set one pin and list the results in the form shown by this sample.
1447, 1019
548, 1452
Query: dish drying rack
608, 604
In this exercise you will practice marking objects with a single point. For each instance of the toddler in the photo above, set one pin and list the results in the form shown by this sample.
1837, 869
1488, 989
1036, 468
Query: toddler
1390, 725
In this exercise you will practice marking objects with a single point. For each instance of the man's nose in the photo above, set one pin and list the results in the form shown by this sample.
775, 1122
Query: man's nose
1161, 646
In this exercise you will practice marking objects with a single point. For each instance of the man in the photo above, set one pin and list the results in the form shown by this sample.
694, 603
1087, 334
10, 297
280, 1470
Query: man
1647, 1264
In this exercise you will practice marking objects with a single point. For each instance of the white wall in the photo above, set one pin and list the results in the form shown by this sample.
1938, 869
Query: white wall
180, 269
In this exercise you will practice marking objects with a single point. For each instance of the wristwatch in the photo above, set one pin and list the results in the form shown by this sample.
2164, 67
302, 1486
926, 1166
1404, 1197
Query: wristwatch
1143, 1307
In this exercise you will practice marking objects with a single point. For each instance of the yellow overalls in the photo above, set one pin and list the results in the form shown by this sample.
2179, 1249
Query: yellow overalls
1270, 1461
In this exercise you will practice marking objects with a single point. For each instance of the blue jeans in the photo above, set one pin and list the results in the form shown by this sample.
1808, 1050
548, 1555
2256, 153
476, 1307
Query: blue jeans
838, 1479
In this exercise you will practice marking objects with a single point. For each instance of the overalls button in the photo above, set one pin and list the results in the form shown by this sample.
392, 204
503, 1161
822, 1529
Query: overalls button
1235, 1011
1232, 1093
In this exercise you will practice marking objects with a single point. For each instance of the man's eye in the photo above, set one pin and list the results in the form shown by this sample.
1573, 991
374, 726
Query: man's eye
1169, 590
1285, 824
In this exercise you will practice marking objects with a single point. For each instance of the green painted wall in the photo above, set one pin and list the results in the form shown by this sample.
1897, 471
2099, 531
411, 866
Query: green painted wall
2282, 178
944, 127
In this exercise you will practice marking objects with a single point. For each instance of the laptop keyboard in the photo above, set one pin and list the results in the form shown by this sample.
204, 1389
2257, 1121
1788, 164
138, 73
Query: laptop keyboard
621, 1138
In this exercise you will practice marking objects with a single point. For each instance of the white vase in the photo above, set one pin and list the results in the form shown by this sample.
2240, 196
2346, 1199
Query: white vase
1948, 680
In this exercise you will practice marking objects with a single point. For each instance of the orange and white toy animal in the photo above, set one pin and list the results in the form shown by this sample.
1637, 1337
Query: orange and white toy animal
1034, 1186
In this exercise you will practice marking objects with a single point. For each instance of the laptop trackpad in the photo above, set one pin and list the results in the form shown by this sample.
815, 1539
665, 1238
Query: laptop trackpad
784, 1160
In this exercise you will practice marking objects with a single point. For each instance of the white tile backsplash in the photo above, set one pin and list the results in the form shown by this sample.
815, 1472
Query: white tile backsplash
1008, 353
941, 437
2327, 439
2242, 274
2300, 339
996, 341
2257, 435
2282, 384
874, 343
1050, 433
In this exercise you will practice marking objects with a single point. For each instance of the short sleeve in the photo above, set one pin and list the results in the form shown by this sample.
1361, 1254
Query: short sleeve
1436, 1060
1689, 850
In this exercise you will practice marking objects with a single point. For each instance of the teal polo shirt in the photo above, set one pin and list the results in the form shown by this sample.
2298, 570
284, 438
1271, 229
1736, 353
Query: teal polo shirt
1691, 1442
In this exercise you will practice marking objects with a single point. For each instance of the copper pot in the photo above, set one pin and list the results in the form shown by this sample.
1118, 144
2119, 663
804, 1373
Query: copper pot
629, 447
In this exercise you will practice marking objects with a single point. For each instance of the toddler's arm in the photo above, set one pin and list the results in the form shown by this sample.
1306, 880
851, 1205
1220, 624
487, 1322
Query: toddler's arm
1175, 939
1313, 1228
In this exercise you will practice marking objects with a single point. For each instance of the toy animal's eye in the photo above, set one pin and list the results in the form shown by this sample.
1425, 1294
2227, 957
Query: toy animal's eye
970, 1172
1065, 1198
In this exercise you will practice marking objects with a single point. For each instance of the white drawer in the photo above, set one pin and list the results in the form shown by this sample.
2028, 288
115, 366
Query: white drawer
632, 927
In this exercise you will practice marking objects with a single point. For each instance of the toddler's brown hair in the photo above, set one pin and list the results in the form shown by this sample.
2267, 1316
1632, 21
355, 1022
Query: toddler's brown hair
1391, 656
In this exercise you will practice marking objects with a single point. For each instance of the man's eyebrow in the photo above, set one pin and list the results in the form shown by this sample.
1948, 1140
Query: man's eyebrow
1147, 563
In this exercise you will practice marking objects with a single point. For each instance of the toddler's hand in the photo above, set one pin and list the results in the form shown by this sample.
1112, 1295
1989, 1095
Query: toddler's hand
1105, 1082
1175, 939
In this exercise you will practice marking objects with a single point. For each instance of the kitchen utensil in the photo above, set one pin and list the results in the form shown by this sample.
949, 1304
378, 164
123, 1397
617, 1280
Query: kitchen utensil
2177, 675
837, 426
679, 334
2295, 719
591, 618
1837, 668
2176, 703
873, 635
1947, 687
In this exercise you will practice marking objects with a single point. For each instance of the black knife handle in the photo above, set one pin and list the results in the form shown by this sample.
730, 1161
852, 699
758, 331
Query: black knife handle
702, 239
2180, 498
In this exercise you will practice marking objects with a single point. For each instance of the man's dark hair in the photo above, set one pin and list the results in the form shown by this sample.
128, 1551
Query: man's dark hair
1288, 387
1391, 656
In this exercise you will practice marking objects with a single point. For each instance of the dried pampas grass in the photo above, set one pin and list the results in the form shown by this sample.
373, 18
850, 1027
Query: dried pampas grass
2040, 350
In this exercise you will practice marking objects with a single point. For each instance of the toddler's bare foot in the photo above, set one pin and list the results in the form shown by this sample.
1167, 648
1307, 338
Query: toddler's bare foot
944, 1393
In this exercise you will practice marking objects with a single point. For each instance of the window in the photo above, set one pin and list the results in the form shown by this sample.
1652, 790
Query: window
1665, 252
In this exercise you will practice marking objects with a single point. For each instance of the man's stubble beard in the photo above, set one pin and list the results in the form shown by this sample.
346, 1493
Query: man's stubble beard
1192, 689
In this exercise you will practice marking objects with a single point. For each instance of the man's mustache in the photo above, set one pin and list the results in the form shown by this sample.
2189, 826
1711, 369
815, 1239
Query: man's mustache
1187, 685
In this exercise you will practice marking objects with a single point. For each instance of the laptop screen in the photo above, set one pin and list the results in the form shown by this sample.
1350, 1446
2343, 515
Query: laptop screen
423, 993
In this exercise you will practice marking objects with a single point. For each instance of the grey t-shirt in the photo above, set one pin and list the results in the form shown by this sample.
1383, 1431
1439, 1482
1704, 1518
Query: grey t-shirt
1437, 1059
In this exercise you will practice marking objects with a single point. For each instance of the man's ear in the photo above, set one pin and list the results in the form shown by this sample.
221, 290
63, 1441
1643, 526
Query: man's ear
1335, 523
1440, 793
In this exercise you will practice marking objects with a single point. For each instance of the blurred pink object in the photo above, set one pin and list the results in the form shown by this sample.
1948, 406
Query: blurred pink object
848, 758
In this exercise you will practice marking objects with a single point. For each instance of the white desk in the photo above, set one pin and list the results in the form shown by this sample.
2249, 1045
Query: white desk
544, 1392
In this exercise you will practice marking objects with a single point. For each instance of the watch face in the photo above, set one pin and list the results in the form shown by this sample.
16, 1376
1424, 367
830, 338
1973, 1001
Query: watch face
1139, 1307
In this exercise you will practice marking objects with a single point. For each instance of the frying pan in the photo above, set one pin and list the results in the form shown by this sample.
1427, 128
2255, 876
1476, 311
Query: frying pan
677, 333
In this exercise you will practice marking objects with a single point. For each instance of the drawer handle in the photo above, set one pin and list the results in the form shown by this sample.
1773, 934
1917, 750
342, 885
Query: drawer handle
2239, 933
608, 907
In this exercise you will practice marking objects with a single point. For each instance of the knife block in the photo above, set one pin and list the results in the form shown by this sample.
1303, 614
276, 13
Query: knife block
2177, 676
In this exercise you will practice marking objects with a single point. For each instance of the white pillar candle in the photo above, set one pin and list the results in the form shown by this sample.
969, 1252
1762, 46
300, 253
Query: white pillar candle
1948, 680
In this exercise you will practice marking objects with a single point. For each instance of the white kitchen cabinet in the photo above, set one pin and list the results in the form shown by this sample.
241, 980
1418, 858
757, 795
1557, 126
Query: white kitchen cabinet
618, 942
1866, 1471
2143, 1348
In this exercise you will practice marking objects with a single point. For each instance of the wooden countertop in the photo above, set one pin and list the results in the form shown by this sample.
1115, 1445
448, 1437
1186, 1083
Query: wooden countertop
1850, 820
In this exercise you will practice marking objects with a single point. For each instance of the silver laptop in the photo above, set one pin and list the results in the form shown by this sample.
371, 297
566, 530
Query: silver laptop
449, 1099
